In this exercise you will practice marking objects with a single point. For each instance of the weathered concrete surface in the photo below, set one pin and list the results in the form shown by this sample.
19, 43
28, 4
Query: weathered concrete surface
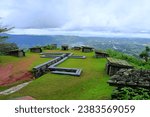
131, 77
52, 64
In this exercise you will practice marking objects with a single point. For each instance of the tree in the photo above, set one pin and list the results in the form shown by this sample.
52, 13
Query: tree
145, 54
5, 47
147, 49
2, 30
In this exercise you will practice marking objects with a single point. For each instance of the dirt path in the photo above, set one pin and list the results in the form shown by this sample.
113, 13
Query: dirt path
17, 71
14, 89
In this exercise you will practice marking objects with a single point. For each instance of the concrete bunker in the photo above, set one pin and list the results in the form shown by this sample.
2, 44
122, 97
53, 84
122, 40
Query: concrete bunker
76, 48
17, 53
113, 65
87, 49
101, 54
36, 49
65, 47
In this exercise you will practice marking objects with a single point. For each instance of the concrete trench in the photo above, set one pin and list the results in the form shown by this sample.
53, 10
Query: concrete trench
52, 65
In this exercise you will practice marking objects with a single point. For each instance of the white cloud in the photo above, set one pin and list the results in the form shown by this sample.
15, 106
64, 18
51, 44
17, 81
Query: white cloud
124, 15
84, 33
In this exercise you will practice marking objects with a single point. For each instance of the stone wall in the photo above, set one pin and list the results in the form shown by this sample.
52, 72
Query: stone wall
52, 65
131, 77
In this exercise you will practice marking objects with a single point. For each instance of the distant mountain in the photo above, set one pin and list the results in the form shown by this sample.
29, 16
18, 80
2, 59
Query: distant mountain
127, 45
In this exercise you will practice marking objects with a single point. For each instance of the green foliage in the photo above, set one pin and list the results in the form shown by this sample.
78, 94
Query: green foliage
6, 47
2, 38
147, 48
2, 30
131, 59
7, 59
128, 93
48, 47
145, 54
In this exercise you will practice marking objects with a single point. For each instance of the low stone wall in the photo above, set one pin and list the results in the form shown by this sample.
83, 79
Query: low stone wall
43, 68
131, 77
78, 57
65, 71
51, 65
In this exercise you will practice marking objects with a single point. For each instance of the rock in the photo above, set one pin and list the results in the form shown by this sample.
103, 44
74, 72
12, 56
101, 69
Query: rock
114, 77
131, 83
126, 73
121, 82
139, 78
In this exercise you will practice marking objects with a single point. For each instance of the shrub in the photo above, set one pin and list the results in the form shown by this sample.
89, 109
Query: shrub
128, 93
136, 61
6, 47
47, 47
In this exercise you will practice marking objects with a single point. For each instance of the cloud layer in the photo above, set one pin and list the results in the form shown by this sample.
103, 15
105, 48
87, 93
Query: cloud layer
97, 15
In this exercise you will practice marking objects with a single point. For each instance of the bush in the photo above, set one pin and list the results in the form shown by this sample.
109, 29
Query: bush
6, 47
136, 61
128, 93
47, 47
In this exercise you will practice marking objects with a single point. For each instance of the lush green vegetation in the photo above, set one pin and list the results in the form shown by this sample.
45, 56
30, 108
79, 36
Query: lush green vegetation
92, 84
145, 54
5, 47
8, 59
137, 62
128, 93
2, 30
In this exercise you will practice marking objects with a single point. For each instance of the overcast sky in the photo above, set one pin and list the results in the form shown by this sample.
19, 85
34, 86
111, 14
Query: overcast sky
95, 15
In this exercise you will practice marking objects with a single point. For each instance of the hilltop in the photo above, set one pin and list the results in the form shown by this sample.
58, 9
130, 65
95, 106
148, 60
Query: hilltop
92, 84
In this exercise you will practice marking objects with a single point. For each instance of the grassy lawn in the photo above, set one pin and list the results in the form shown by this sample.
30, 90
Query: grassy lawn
8, 59
91, 85
15, 61
5, 60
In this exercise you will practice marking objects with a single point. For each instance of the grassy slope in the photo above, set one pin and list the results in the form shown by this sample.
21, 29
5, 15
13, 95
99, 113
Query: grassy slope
8, 59
5, 60
90, 85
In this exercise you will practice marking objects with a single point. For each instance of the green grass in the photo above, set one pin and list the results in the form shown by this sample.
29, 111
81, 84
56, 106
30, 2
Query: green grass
5, 60
39, 61
91, 85
8, 59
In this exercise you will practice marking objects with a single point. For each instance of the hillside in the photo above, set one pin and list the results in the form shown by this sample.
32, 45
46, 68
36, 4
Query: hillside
132, 46
92, 84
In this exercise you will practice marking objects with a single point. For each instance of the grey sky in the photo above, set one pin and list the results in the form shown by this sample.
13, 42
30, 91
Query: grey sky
96, 15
